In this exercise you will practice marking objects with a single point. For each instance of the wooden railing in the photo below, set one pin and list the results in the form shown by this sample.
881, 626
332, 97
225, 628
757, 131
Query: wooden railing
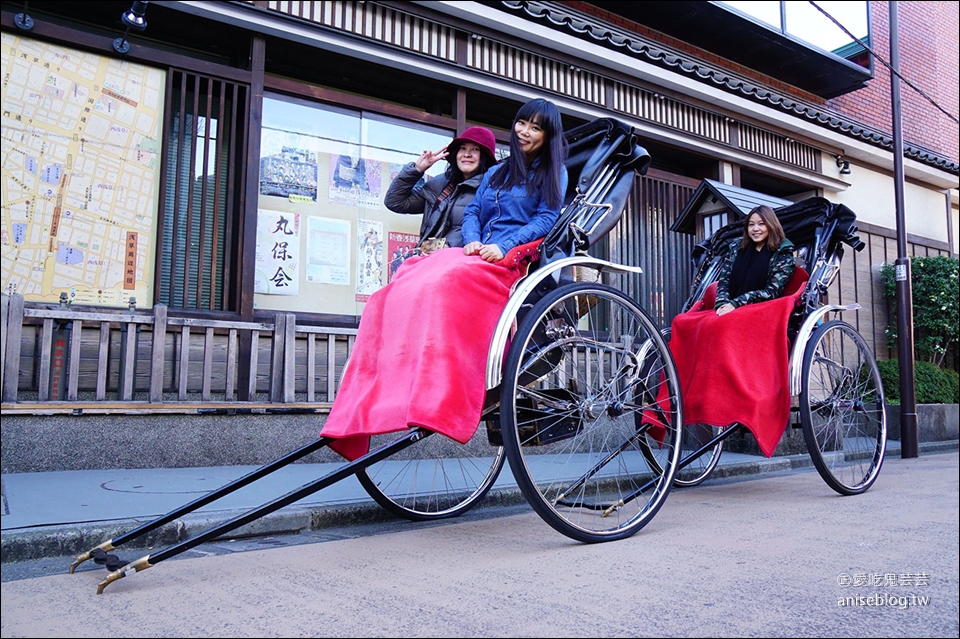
63, 360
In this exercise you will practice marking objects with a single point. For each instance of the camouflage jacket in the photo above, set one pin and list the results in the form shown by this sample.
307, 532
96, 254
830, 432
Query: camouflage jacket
782, 265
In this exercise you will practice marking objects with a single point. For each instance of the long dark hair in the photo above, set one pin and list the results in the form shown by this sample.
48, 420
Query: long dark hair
775, 234
553, 153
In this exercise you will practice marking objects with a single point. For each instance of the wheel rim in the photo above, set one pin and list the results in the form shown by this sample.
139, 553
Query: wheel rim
436, 478
693, 439
842, 408
586, 345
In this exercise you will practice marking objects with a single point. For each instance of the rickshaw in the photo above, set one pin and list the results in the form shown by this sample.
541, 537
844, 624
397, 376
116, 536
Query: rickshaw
566, 366
582, 394
835, 386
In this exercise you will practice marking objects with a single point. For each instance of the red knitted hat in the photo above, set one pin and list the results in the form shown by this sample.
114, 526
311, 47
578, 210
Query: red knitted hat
479, 135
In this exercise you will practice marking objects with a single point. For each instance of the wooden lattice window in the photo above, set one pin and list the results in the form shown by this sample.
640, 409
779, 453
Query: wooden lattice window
201, 216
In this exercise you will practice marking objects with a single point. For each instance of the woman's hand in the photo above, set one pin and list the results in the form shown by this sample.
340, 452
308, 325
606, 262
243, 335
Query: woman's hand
491, 253
429, 158
488, 252
726, 308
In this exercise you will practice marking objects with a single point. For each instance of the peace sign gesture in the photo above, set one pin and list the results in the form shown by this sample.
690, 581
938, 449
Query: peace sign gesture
428, 158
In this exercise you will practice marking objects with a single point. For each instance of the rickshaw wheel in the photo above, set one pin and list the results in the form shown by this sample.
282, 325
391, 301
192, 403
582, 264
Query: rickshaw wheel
842, 408
582, 364
700, 468
436, 478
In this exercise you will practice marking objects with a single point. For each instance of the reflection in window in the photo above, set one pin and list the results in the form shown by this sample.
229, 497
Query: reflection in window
767, 12
324, 171
399, 142
804, 21
713, 223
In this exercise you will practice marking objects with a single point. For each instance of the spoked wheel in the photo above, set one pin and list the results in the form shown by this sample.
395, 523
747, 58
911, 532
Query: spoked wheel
694, 468
698, 467
435, 478
842, 409
583, 363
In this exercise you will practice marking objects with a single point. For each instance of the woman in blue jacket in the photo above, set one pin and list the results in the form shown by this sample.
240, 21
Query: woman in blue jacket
421, 350
520, 199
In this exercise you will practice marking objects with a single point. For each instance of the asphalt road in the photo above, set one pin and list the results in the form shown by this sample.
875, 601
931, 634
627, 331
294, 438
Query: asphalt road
771, 555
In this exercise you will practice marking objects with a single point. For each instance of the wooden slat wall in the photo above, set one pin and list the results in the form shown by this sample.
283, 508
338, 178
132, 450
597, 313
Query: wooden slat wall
643, 238
148, 356
859, 281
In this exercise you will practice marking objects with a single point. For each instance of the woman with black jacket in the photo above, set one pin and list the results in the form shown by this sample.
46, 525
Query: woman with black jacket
443, 198
758, 265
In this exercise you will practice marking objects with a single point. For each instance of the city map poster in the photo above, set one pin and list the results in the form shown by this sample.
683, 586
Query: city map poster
328, 251
80, 174
278, 253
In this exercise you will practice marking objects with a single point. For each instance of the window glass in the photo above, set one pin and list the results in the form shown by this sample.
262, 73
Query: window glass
325, 240
398, 142
806, 22
768, 12
712, 224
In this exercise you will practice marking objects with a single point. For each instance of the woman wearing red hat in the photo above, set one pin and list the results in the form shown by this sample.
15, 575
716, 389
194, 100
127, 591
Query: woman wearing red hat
421, 350
442, 199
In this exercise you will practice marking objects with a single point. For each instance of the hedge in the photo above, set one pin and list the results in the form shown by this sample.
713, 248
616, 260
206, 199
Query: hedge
932, 384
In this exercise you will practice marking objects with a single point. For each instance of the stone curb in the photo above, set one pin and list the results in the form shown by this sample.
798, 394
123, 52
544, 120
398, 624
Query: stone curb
74, 539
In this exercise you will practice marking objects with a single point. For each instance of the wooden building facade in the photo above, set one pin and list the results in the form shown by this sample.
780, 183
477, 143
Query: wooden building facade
228, 161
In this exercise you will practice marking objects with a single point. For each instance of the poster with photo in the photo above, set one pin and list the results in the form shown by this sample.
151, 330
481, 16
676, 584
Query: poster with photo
370, 251
433, 171
354, 181
328, 251
400, 247
288, 166
278, 253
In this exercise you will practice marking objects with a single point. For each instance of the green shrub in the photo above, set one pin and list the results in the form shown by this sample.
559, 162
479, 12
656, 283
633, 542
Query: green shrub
935, 290
933, 385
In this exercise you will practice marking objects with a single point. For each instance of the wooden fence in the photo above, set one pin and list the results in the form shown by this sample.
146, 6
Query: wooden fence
63, 360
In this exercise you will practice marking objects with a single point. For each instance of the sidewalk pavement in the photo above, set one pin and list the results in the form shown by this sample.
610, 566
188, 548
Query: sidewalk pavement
58, 514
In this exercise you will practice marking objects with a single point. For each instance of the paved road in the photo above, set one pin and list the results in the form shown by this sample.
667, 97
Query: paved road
770, 555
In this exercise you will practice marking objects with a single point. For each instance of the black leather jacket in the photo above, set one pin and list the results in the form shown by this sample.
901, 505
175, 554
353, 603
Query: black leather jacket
402, 197
782, 265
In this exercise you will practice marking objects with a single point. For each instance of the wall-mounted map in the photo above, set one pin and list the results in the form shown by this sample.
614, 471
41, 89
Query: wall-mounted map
80, 180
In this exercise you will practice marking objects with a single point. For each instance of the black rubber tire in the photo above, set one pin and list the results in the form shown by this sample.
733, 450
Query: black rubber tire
571, 383
842, 408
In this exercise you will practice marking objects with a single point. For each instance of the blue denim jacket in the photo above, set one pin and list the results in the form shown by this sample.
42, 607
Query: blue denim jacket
508, 218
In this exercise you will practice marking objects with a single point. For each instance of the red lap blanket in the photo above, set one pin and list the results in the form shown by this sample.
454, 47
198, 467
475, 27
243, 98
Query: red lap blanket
734, 368
421, 352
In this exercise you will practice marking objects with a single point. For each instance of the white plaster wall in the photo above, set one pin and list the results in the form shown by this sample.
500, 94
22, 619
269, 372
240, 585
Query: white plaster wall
872, 197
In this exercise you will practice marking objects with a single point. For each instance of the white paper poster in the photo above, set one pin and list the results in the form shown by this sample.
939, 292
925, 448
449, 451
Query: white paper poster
370, 250
328, 251
278, 253
354, 181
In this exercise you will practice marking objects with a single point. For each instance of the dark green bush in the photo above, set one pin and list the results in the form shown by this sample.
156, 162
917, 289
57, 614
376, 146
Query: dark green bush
933, 385
935, 291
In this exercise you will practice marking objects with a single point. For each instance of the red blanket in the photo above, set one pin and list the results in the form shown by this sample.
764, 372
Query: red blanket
421, 351
734, 368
